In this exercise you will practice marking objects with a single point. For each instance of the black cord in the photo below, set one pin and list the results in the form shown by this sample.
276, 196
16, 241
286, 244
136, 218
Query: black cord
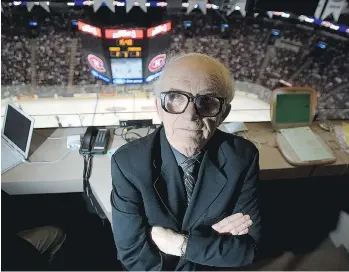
115, 131
127, 131
148, 131
87, 187
123, 135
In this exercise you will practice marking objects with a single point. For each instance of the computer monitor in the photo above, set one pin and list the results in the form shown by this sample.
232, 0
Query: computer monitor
17, 129
292, 107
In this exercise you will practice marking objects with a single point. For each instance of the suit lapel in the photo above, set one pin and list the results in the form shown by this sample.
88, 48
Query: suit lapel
209, 184
168, 184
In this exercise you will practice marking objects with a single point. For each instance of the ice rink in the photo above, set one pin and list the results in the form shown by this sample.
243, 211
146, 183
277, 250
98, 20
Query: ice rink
98, 110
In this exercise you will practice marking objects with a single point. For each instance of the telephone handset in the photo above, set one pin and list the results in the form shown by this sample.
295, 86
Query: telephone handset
95, 141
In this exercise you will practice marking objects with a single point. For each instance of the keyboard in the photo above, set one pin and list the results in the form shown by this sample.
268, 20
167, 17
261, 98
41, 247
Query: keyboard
305, 143
9, 158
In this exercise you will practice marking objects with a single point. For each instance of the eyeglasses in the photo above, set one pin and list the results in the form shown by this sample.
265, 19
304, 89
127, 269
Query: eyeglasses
206, 105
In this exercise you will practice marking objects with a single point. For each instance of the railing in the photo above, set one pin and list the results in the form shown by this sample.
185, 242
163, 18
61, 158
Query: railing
66, 91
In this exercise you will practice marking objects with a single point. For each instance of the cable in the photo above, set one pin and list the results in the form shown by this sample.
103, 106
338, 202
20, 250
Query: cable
115, 131
148, 131
87, 167
31, 162
127, 131
87, 186
51, 138
151, 127
258, 143
327, 125
331, 128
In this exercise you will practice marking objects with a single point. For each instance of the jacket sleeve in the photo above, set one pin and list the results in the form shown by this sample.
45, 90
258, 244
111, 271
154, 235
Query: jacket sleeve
130, 229
218, 250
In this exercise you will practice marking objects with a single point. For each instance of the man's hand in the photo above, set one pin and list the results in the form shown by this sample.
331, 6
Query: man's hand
167, 240
236, 224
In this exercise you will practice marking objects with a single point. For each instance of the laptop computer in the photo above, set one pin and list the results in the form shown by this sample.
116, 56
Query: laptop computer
292, 110
16, 136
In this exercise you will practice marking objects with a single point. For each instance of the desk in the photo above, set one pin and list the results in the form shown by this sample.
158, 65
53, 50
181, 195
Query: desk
66, 175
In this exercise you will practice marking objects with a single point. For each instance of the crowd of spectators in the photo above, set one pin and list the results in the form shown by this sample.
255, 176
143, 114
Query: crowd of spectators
52, 58
243, 48
247, 51
328, 72
300, 36
15, 60
242, 52
282, 65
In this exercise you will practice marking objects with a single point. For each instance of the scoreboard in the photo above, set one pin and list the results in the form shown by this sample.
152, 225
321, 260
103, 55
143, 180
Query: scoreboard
124, 43
128, 55
125, 48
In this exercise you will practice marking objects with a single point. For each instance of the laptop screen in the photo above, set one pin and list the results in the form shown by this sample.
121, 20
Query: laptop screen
293, 108
17, 128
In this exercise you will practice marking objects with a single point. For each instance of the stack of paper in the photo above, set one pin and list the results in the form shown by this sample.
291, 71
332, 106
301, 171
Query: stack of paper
342, 133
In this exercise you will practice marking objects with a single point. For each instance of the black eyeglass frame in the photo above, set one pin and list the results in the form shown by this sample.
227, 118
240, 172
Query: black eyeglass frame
190, 99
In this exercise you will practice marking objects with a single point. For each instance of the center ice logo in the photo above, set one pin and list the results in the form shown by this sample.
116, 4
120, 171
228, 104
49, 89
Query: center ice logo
157, 63
96, 63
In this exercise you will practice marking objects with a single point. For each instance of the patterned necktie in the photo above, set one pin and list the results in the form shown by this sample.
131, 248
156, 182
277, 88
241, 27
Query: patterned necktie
189, 167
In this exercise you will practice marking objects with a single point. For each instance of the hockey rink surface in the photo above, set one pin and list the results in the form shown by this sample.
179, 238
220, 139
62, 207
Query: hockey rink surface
107, 110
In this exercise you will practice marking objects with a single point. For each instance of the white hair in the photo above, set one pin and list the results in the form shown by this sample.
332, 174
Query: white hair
215, 80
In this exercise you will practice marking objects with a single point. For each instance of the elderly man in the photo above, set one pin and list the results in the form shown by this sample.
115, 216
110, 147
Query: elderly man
184, 197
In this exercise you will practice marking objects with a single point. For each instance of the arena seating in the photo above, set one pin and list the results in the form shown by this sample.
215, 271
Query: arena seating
15, 60
246, 51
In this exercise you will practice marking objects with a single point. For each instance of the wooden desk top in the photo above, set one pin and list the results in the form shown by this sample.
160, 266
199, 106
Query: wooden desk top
274, 166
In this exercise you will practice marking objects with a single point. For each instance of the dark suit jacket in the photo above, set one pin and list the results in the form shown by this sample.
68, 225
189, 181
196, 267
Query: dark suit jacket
148, 191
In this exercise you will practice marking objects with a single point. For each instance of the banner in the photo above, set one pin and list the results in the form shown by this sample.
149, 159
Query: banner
319, 8
98, 3
30, 6
232, 5
239, 5
44, 5
242, 5
200, 3
130, 4
335, 8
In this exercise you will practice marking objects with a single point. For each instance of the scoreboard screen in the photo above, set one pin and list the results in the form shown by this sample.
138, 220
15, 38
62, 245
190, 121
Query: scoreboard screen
126, 69
125, 55
126, 48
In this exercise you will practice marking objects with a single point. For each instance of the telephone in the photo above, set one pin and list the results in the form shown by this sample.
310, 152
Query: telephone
95, 141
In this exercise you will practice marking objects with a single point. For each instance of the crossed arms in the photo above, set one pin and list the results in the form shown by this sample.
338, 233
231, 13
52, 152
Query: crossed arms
232, 243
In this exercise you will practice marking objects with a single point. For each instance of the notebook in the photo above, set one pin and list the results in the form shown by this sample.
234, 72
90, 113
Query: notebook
292, 112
